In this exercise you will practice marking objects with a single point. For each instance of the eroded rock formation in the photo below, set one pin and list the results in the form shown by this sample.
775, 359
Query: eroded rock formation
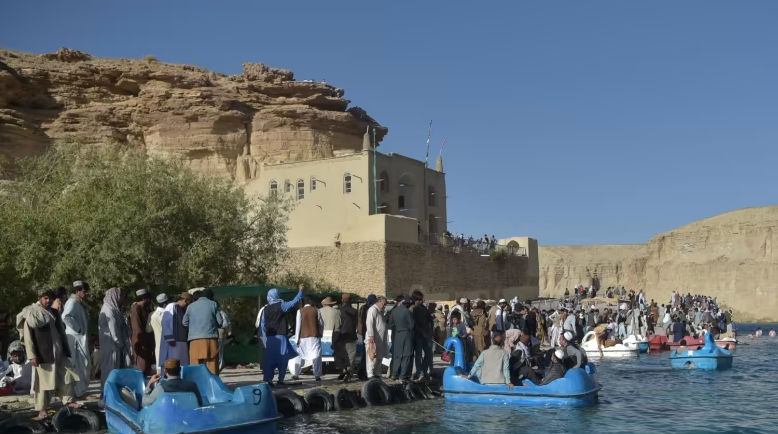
729, 256
221, 125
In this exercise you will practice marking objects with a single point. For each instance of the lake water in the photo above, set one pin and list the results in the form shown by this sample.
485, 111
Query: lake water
639, 395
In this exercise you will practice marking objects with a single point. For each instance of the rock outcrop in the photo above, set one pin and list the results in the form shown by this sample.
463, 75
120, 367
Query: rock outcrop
729, 256
221, 125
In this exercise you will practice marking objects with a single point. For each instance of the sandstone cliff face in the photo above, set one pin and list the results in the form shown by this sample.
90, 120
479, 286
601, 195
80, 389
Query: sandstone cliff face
729, 256
221, 125
564, 267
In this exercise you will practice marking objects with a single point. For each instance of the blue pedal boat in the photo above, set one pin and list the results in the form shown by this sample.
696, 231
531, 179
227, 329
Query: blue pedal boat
249, 409
709, 357
578, 388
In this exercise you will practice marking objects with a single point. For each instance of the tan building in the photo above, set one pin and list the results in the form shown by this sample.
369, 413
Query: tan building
340, 199
369, 222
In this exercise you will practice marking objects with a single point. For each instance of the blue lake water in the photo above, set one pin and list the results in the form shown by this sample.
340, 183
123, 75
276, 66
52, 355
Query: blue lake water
639, 395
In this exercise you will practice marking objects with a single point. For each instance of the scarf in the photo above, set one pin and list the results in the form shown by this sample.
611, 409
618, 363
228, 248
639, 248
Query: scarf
113, 299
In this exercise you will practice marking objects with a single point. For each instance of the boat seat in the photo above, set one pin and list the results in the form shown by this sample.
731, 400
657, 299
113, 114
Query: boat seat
211, 389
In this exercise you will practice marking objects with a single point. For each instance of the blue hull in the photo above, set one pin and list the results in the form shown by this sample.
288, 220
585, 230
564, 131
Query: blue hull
642, 347
710, 357
576, 389
249, 409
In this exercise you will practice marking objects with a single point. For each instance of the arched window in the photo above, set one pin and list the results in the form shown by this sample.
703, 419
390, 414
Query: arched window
287, 186
347, 183
401, 203
432, 225
431, 196
313, 183
300, 189
384, 180
273, 187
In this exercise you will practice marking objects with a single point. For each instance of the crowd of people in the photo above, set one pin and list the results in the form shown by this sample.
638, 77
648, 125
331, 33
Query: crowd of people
52, 357
505, 341
461, 242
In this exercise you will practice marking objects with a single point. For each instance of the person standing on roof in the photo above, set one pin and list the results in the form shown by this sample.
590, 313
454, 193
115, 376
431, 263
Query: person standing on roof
273, 326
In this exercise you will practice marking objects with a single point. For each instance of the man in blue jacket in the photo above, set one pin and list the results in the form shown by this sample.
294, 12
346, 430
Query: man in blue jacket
203, 319
273, 327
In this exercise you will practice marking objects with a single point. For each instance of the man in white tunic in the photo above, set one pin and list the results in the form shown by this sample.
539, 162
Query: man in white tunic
376, 338
156, 326
308, 331
76, 322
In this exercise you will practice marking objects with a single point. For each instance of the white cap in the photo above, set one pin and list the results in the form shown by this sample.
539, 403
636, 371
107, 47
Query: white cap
463, 300
161, 298
502, 300
569, 335
559, 354
141, 292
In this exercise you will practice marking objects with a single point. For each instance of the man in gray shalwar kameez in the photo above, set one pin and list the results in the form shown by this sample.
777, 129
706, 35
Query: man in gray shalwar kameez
76, 322
114, 335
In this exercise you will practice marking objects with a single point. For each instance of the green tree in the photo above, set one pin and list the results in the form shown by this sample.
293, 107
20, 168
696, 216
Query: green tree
117, 217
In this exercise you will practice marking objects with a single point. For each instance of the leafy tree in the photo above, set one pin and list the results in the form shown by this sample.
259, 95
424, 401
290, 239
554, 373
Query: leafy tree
117, 217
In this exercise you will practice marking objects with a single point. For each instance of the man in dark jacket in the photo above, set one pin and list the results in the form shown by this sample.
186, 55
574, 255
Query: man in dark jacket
344, 340
422, 340
556, 369
401, 324
361, 330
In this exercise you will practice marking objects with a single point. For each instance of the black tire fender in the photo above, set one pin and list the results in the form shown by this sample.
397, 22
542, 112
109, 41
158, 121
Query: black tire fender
290, 403
75, 419
345, 400
376, 392
21, 425
320, 400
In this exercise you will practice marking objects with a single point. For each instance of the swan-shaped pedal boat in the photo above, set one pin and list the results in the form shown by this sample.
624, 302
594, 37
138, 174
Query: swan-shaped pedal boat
577, 388
709, 357
249, 409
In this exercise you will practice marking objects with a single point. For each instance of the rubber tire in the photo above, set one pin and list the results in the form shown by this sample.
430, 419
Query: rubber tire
290, 403
60, 419
345, 400
425, 390
315, 396
20, 425
400, 394
414, 391
376, 392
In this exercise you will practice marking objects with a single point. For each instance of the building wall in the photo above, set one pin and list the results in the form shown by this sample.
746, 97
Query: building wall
402, 176
444, 275
392, 268
326, 214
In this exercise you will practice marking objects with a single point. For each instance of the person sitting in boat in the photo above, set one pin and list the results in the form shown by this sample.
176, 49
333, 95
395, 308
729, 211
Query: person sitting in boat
556, 369
682, 348
172, 383
492, 366
575, 357
521, 361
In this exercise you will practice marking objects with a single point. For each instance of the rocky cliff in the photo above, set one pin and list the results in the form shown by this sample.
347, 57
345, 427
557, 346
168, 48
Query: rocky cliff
729, 256
221, 125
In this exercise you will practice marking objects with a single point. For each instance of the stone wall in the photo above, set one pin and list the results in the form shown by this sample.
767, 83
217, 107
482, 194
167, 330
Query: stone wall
444, 275
397, 268
729, 256
358, 268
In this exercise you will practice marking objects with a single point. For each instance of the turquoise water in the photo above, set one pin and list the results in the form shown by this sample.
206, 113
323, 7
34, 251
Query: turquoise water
639, 395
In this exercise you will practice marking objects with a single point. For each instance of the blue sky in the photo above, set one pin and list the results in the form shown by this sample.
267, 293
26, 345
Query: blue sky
572, 122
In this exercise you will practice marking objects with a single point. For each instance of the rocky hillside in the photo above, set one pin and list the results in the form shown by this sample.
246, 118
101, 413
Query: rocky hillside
221, 125
730, 256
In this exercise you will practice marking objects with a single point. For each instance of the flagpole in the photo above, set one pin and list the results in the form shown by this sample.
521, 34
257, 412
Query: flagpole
424, 192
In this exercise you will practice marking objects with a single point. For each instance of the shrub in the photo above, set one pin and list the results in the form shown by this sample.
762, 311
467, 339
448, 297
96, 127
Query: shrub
120, 218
